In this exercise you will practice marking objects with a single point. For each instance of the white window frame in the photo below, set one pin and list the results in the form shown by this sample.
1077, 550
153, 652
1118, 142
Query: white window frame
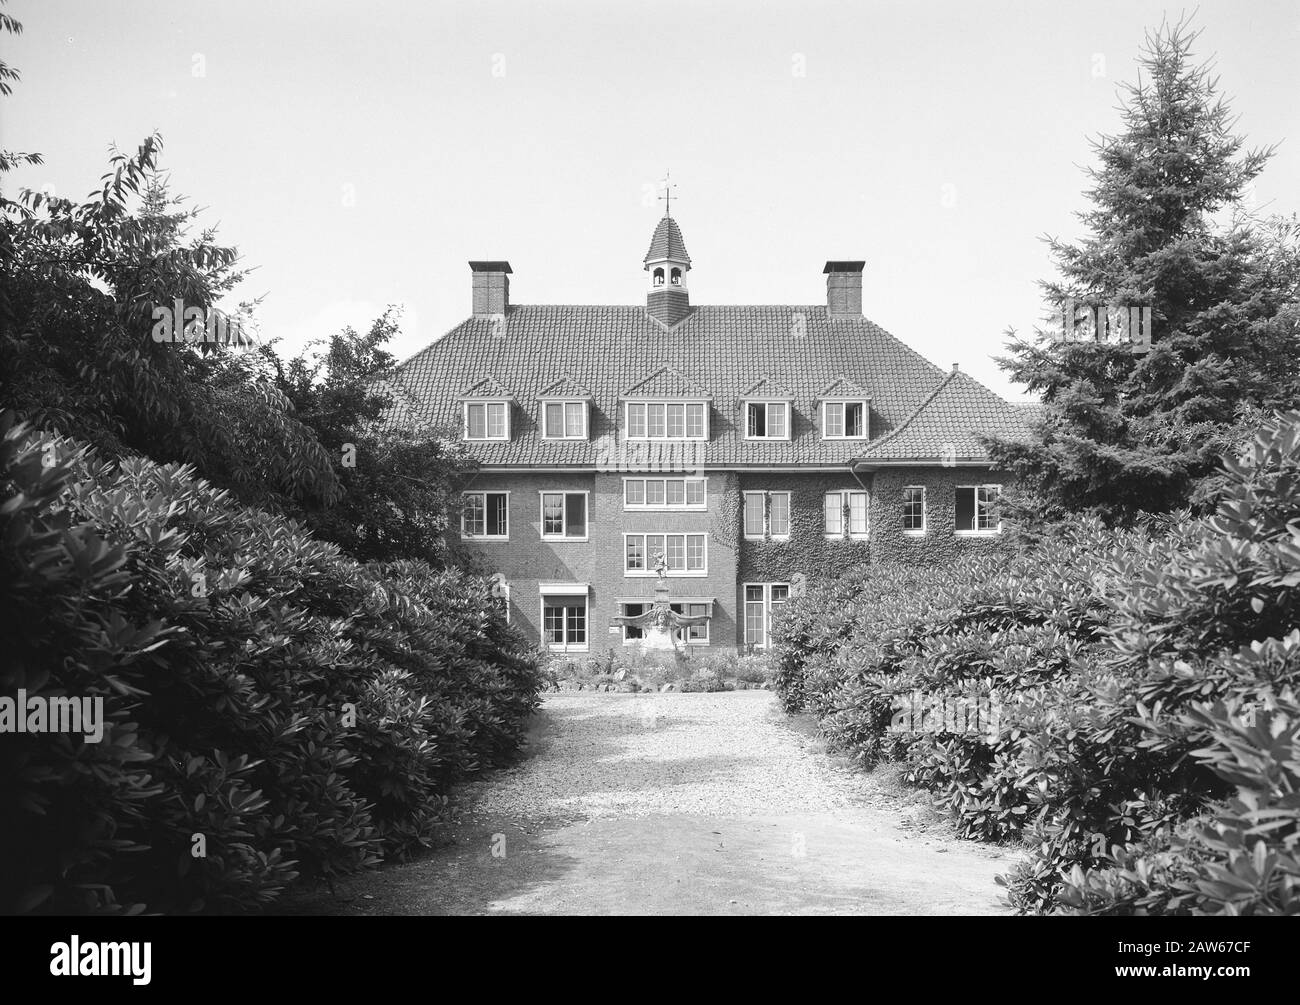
484, 537
766, 531
990, 532
925, 512
646, 402
567, 601
767, 403
840, 403
564, 514
485, 402
847, 523
642, 507
564, 404
767, 611
683, 573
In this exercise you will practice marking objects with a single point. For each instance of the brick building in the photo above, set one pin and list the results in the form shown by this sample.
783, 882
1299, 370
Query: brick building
753, 446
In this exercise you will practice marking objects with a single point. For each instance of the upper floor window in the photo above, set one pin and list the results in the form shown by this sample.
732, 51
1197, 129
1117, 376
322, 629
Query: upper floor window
663, 493
658, 277
846, 514
564, 420
767, 513
487, 420
677, 277
666, 420
684, 554
564, 516
977, 509
767, 420
844, 420
485, 515
914, 509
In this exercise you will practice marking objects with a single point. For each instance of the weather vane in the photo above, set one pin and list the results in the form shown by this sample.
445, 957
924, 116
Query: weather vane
667, 197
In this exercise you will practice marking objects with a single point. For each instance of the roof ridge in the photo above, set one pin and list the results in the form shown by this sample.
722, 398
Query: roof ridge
948, 378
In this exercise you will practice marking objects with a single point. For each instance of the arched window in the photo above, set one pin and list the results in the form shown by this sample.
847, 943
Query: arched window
677, 277
659, 277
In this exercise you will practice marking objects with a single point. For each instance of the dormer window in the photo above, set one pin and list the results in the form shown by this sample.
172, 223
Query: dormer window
564, 420
658, 277
667, 420
767, 420
844, 420
487, 420
677, 277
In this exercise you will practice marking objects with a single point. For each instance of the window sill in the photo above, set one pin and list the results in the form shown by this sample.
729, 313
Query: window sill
978, 533
487, 439
692, 508
571, 439
846, 437
637, 574
565, 650
484, 537
848, 537
914, 533
564, 539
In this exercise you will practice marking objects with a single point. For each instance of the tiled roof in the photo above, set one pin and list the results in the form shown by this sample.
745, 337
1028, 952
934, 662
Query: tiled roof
666, 382
841, 387
944, 426
667, 242
722, 350
486, 387
766, 387
565, 387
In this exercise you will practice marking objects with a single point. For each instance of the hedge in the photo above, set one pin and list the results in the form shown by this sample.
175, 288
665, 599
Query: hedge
1145, 747
273, 711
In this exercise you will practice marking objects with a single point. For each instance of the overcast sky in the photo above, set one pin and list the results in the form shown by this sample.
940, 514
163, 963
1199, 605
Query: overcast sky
360, 153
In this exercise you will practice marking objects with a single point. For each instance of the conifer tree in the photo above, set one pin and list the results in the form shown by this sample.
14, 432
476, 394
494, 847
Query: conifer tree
1125, 430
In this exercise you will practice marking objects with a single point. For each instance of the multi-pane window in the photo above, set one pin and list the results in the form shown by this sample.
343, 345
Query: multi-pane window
564, 420
977, 509
564, 622
487, 420
767, 420
663, 493
485, 514
564, 515
691, 634
844, 420
762, 602
665, 420
684, 554
914, 509
846, 513
767, 513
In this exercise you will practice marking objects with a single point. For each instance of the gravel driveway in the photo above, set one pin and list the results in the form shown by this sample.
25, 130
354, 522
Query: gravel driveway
683, 804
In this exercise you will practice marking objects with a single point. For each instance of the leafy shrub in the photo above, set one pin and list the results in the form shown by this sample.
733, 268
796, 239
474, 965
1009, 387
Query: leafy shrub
282, 708
1105, 654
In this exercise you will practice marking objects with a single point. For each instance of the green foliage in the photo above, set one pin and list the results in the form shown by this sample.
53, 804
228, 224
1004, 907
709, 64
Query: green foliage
1125, 667
1125, 432
396, 480
232, 653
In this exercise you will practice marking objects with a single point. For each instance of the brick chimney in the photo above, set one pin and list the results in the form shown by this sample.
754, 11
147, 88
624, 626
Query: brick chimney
844, 289
491, 288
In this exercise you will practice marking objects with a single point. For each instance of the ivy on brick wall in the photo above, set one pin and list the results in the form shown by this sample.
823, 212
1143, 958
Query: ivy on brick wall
807, 551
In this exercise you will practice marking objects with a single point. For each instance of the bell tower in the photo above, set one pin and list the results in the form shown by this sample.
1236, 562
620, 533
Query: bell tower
666, 265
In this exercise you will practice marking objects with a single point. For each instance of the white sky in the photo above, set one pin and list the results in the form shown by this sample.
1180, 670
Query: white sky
936, 140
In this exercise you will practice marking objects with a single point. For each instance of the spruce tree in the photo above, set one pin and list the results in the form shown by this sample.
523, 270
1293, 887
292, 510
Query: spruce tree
1125, 430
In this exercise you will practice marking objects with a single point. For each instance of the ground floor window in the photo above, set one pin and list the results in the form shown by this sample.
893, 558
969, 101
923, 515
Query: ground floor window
564, 622
762, 601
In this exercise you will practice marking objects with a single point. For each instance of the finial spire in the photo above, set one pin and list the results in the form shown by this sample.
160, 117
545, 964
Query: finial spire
667, 197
